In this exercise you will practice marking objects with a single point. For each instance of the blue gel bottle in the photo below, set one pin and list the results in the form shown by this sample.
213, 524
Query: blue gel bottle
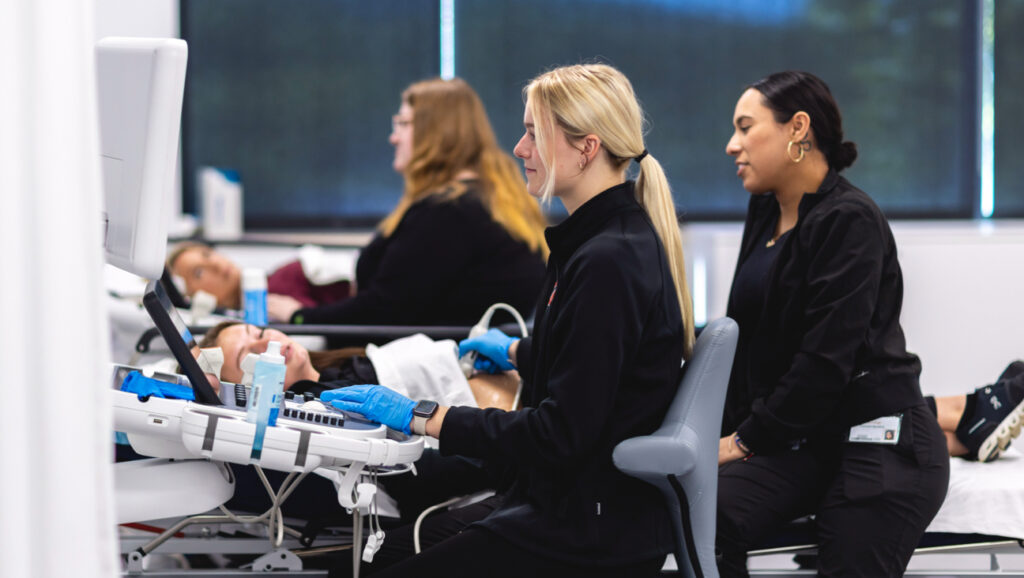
265, 395
254, 296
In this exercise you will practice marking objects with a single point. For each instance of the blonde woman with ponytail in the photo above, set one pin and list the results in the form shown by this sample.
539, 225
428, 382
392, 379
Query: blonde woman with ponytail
611, 329
606, 123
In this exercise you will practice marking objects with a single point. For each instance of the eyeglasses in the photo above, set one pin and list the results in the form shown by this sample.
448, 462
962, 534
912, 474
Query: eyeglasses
400, 123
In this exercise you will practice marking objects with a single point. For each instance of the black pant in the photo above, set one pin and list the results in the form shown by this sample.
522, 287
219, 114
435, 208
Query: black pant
437, 479
871, 502
478, 552
399, 545
451, 548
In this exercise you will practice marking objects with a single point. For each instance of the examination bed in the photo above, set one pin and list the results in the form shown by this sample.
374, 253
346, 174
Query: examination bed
983, 513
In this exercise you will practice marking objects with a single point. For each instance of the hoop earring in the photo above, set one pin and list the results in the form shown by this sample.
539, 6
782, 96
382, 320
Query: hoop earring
789, 151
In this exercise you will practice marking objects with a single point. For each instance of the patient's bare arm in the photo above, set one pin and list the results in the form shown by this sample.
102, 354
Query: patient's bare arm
281, 307
497, 390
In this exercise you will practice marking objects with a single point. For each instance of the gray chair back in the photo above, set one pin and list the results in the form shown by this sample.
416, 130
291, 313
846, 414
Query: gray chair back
681, 457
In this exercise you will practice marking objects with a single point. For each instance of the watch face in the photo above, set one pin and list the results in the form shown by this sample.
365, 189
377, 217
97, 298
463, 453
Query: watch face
425, 408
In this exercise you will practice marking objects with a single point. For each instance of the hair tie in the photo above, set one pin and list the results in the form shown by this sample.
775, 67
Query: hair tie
640, 157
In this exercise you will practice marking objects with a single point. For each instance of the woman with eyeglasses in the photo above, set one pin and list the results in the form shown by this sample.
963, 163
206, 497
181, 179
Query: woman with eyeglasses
464, 235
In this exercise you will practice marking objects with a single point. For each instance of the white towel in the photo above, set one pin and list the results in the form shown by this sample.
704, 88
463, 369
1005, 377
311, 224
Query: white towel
322, 268
421, 368
211, 360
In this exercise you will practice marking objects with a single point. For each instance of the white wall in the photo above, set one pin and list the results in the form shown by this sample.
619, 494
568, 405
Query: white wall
963, 307
157, 18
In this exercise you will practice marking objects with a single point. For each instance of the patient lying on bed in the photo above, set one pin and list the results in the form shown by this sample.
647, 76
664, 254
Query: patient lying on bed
415, 366
981, 424
311, 280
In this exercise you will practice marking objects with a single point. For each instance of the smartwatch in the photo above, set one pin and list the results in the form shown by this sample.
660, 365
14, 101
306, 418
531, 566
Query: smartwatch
424, 410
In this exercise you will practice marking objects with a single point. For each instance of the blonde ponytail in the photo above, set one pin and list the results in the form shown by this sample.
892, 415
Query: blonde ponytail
655, 196
598, 99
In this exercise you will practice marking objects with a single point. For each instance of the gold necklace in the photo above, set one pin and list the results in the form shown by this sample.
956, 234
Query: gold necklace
771, 242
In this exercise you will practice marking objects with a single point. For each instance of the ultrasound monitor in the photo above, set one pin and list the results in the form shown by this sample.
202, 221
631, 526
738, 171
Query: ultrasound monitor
179, 339
175, 296
140, 85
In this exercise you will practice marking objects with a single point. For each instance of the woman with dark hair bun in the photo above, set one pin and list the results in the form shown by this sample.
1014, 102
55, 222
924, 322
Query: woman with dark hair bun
787, 93
824, 413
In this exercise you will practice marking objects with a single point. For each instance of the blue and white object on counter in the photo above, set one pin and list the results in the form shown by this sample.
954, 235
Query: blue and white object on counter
254, 296
221, 191
266, 394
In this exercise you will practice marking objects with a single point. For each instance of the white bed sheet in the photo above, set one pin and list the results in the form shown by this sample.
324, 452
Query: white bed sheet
984, 498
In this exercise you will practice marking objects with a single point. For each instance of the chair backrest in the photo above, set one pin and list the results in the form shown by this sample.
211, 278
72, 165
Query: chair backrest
681, 457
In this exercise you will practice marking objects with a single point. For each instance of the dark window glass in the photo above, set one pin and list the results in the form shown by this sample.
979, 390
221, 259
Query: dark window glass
298, 97
1009, 108
901, 70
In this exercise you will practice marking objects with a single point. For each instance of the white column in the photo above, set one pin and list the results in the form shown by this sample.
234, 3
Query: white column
56, 513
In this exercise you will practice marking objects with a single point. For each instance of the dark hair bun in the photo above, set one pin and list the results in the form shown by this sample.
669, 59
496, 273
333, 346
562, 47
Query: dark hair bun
792, 91
845, 154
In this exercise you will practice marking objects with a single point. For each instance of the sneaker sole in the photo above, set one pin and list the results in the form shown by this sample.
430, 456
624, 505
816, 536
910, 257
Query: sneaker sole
1000, 437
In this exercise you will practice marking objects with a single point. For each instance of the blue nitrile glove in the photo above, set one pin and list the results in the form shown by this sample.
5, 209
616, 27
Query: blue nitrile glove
493, 347
484, 365
143, 386
376, 402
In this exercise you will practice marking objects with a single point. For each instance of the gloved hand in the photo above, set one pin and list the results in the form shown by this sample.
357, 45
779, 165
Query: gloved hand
493, 347
376, 402
143, 386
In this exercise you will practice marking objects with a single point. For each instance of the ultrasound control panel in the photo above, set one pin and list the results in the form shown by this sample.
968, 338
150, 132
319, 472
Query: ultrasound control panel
311, 410
308, 408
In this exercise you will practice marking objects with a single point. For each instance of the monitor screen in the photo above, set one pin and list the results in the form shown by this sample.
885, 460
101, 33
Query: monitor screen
140, 83
179, 339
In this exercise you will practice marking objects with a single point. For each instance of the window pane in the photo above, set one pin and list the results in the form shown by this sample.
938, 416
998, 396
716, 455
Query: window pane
1009, 104
897, 68
298, 97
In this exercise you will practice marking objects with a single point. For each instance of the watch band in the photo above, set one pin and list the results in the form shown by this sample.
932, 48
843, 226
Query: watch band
421, 412
418, 425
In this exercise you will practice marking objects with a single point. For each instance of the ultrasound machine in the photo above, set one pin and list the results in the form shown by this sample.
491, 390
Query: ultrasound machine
189, 441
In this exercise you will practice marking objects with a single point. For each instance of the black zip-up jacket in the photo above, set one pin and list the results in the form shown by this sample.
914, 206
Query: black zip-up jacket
828, 351
602, 366
445, 263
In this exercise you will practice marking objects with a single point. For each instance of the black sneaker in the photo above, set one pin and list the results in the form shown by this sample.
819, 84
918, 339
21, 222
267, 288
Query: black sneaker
1012, 372
997, 416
